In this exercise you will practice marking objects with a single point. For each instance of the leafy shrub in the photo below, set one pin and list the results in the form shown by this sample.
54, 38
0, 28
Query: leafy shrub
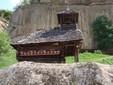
4, 43
23, 2
7, 53
6, 14
103, 32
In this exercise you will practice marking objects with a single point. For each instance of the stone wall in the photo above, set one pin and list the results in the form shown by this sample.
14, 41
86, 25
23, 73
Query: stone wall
33, 17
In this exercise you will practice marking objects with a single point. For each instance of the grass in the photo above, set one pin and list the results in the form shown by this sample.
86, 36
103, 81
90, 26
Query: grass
88, 57
107, 61
73, 83
10, 58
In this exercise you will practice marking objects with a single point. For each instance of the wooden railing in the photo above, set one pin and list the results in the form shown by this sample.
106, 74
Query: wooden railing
39, 53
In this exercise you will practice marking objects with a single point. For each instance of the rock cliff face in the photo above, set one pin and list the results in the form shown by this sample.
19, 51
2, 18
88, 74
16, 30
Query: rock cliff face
29, 73
3, 24
42, 14
76, 2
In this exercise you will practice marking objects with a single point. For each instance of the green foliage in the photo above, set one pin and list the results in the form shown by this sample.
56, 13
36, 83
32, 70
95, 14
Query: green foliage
6, 14
7, 53
8, 59
23, 2
4, 43
103, 32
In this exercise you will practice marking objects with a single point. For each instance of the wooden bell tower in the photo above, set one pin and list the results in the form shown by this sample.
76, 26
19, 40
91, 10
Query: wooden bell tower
67, 18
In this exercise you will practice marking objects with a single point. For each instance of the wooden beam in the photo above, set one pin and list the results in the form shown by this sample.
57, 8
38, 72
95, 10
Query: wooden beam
78, 46
63, 52
76, 54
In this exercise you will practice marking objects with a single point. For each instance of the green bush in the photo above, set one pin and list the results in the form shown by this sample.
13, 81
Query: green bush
6, 14
4, 43
23, 2
103, 32
7, 53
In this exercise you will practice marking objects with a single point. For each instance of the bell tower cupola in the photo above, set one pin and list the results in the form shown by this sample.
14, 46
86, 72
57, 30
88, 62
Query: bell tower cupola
67, 17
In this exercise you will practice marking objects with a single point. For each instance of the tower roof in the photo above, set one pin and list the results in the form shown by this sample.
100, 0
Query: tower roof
67, 11
67, 16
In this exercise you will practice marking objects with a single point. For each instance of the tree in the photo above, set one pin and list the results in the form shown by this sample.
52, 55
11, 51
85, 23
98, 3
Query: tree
103, 32
23, 2
4, 43
6, 14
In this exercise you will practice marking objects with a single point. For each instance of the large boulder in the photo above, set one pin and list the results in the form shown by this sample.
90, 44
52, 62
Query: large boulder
3, 24
30, 73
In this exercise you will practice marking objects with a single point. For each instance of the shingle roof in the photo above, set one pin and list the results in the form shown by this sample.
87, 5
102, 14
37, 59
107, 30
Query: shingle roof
52, 35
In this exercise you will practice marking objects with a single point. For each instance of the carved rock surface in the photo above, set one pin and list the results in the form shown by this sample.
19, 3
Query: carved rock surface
77, 2
30, 73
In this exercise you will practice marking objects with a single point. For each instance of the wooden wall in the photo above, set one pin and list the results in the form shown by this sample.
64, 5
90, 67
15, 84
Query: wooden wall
33, 17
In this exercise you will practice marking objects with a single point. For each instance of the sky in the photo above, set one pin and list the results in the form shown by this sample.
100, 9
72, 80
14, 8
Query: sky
8, 4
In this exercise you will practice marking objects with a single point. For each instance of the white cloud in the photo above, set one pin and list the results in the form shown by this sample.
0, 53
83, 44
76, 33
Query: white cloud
15, 2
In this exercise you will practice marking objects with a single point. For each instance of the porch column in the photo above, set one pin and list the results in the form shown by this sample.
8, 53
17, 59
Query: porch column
76, 54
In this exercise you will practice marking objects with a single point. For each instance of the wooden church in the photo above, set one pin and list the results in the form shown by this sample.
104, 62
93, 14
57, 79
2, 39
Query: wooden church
53, 45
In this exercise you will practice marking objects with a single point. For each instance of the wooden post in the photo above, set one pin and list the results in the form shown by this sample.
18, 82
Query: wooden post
18, 56
76, 54
78, 46
63, 53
